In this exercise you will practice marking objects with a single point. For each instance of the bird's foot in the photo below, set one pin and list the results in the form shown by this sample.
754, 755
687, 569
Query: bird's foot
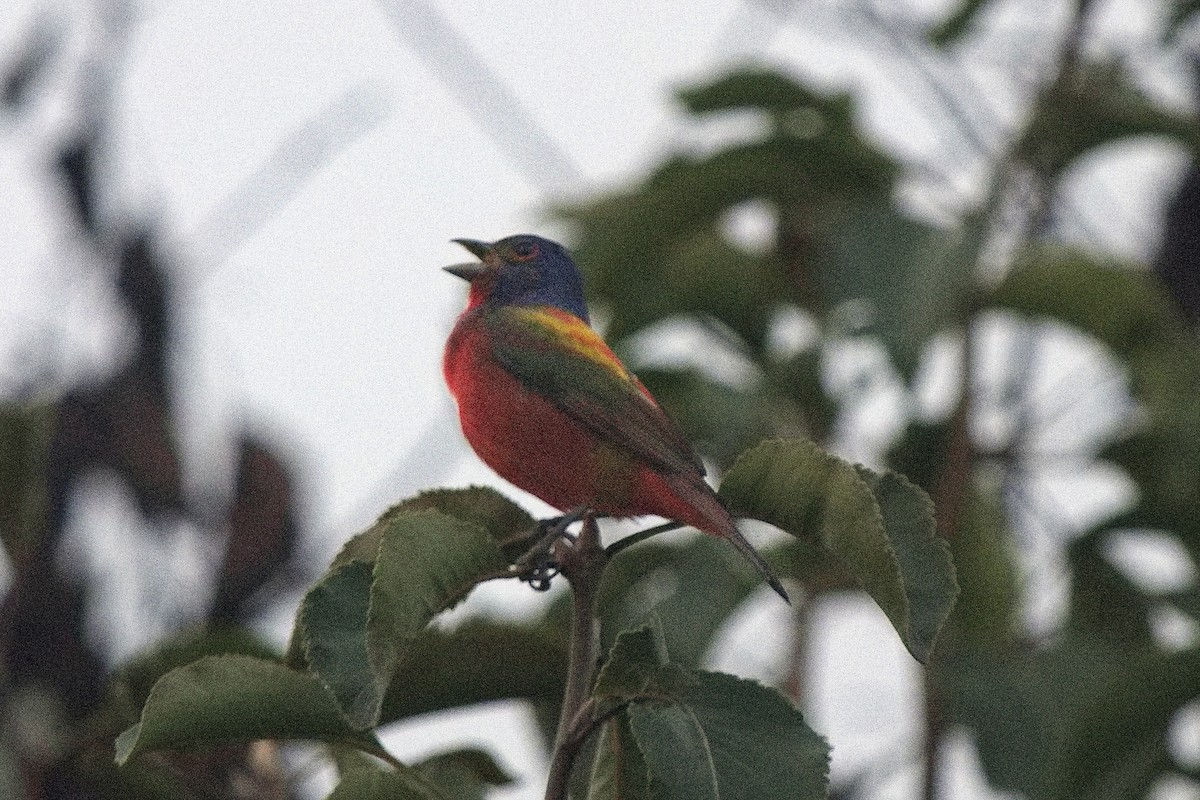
538, 566
539, 574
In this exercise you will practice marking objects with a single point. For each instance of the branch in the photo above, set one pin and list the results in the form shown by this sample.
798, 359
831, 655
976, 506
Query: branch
582, 563
640, 536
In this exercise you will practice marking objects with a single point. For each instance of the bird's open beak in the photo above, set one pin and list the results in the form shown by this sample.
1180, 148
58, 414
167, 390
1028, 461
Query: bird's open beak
471, 270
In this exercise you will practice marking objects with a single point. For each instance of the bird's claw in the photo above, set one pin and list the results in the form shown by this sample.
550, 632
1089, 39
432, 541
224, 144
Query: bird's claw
538, 566
539, 575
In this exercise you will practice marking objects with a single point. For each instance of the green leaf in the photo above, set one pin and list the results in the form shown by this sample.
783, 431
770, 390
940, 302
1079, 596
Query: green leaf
902, 268
955, 25
691, 734
632, 663
618, 770
333, 622
358, 623
925, 563
1105, 602
1162, 454
500, 517
503, 519
637, 668
1129, 311
675, 750
814, 134
131, 684
1125, 308
796, 381
1079, 718
798, 487
1165, 464
25, 436
137, 677
704, 573
478, 662
761, 89
1099, 104
994, 693
659, 250
234, 698
985, 559
376, 784
463, 774
742, 718
705, 274
427, 562
743, 734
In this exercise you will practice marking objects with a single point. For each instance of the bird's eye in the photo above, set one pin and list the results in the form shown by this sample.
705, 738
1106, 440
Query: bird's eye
524, 251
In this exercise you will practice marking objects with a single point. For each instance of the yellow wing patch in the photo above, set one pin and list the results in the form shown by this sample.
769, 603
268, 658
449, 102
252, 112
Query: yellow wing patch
575, 334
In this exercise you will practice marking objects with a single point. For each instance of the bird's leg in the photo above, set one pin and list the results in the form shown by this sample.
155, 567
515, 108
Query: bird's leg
538, 565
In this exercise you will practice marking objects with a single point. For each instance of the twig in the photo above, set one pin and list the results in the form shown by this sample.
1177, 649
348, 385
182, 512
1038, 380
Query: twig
377, 750
565, 752
582, 563
640, 536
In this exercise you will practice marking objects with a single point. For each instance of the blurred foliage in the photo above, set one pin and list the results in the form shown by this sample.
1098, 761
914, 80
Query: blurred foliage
61, 703
953, 27
25, 433
1087, 712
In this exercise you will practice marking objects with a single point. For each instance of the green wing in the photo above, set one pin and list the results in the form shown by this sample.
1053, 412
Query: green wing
562, 359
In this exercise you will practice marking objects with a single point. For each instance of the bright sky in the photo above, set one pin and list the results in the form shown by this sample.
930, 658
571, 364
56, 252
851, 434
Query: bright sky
314, 305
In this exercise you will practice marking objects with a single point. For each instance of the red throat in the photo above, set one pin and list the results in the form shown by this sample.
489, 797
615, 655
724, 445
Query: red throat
481, 288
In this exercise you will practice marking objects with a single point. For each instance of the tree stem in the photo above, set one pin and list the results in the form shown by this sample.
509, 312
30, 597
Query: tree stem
582, 564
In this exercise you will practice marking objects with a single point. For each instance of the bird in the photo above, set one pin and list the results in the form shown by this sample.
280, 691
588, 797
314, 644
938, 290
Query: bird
545, 402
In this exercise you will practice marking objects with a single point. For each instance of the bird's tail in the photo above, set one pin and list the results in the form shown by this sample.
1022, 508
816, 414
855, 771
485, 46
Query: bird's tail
747, 550
703, 509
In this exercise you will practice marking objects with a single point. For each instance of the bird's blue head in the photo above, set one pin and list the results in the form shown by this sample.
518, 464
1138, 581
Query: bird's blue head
522, 270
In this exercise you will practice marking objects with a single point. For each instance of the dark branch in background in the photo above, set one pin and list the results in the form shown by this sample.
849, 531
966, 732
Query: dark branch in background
21, 73
126, 425
262, 534
121, 425
77, 166
142, 283
1178, 259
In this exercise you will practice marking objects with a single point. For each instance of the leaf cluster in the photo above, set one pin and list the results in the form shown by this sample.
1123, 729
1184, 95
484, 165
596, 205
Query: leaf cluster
364, 654
1088, 712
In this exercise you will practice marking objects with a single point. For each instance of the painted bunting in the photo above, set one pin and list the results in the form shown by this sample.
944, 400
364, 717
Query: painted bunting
547, 405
